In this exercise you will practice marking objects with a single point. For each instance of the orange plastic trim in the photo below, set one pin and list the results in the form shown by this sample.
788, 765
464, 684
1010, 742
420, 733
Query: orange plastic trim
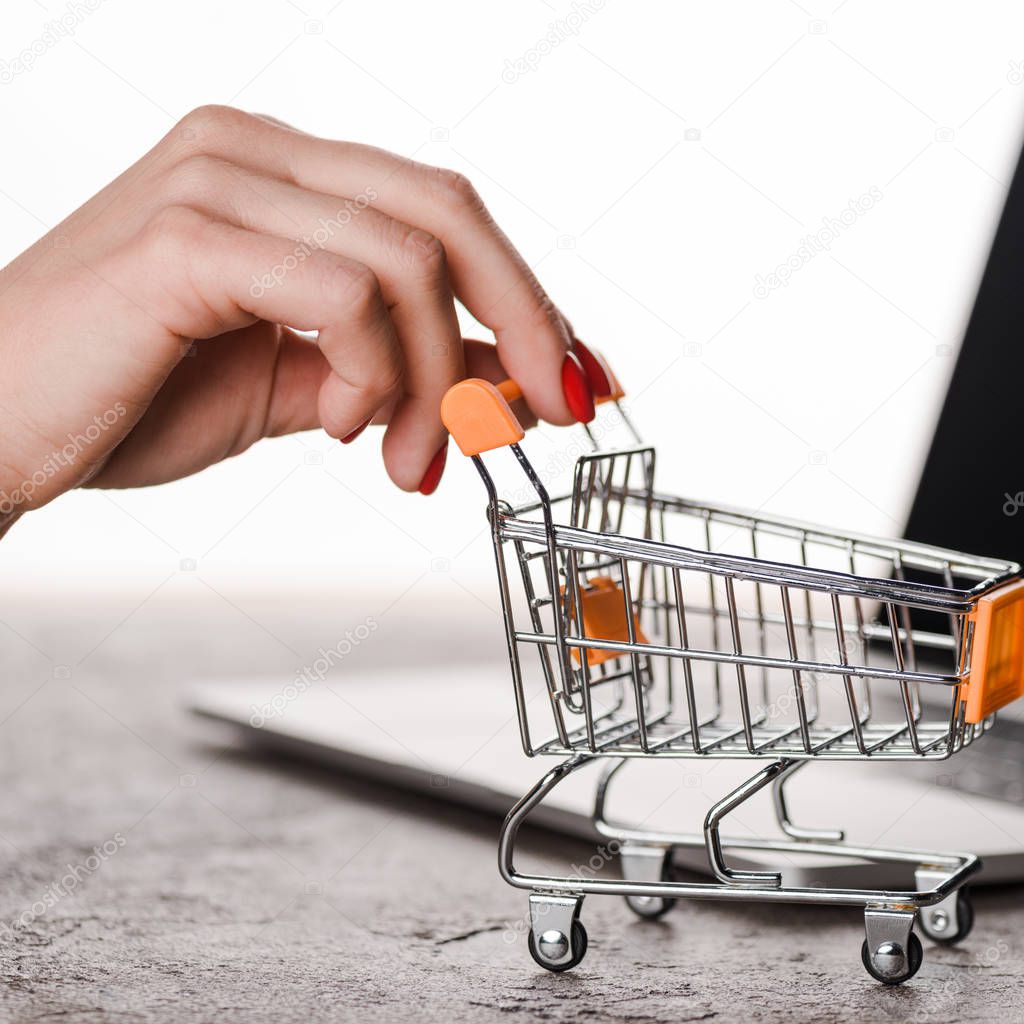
477, 414
997, 652
604, 618
510, 390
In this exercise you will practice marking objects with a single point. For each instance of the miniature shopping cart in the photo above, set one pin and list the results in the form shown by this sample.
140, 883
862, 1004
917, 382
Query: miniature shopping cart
659, 627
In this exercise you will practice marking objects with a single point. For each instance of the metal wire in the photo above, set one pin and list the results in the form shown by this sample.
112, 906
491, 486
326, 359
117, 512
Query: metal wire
697, 579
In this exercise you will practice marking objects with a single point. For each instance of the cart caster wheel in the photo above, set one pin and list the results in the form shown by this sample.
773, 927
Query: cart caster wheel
649, 907
891, 965
553, 946
652, 907
647, 865
936, 925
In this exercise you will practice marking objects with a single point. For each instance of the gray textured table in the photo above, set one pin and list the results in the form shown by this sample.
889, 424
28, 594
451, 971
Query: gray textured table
236, 888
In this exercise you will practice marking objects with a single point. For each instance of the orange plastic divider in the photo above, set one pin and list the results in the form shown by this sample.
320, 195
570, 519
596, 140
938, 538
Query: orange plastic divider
604, 618
997, 652
477, 414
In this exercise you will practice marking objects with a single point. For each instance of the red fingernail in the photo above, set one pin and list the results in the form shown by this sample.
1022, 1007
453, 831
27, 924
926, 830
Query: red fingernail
349, 438
432, 477
596, 377
577, 390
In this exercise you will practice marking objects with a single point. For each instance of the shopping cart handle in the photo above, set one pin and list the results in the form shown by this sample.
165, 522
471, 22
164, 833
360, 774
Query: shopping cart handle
477, 414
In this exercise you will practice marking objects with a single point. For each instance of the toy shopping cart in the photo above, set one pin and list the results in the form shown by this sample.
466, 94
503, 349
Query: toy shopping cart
659, 627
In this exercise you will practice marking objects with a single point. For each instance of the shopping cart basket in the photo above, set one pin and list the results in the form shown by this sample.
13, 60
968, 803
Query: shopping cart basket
670, 628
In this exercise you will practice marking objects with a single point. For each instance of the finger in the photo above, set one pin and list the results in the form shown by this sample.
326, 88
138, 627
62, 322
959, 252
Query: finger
215, 279
230, 391
299, 375
301, 368
488, 275
409, 263
482, 360
276, 120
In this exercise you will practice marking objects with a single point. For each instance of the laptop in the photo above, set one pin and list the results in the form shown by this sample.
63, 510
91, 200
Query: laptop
374, 722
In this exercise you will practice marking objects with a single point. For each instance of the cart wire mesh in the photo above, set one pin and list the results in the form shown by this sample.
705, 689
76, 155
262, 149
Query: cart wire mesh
665, 626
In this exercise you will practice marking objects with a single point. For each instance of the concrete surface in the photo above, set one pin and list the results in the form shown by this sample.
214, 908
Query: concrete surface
242, 889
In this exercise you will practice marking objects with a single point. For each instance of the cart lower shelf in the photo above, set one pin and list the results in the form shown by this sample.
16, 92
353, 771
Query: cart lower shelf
892, 953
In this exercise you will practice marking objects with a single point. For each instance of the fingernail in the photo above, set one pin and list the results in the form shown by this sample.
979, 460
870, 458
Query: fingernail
577, 390
349, 438
432, 477
596, 377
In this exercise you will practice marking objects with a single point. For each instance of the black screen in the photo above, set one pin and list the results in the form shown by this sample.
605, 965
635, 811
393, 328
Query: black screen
977, 456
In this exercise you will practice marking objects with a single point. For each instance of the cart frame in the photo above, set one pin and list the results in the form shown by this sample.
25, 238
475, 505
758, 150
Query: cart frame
654, 713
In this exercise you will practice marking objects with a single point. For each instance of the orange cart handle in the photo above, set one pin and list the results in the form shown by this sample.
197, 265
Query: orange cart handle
478, 413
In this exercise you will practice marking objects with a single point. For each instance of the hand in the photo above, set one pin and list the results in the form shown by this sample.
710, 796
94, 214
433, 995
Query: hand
153, 332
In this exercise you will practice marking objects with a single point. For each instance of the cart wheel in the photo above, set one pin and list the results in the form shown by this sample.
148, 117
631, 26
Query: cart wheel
555, 940
649, 907
891, 965
964, 921
652, 907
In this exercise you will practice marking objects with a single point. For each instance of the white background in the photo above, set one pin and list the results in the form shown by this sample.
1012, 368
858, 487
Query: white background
650, 165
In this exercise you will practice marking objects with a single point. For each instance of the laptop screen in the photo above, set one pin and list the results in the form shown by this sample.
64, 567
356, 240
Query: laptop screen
971, 492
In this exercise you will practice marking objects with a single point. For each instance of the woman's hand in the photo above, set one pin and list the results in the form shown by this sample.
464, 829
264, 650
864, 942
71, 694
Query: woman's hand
152, 333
